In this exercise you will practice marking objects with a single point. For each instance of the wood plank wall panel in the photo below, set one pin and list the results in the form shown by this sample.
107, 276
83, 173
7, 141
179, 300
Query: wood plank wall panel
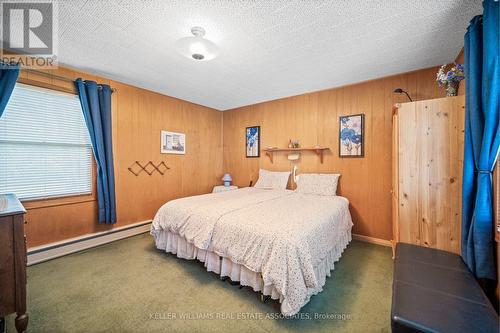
313, 119
430, 149
138, 117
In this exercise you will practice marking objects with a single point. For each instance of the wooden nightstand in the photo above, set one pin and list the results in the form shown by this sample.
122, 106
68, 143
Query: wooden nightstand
222, 188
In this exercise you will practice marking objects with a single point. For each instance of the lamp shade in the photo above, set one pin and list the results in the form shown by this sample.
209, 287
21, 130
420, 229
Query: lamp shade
227, 178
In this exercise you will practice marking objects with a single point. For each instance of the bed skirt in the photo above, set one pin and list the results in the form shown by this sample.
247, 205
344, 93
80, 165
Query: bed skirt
178, 245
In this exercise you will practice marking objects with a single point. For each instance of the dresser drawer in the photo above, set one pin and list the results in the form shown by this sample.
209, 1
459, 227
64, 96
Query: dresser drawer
13, 261
7, 268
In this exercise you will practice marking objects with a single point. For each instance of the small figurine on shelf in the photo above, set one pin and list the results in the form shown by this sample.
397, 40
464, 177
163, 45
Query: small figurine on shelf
290, 144
296, 144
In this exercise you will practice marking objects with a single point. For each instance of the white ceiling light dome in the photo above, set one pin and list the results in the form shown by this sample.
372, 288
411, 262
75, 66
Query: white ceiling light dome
197, 47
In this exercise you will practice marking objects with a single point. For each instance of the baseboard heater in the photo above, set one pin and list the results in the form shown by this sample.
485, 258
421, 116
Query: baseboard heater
55, 250
50, 251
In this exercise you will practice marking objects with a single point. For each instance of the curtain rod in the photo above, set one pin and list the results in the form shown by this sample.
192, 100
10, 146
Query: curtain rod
49, 75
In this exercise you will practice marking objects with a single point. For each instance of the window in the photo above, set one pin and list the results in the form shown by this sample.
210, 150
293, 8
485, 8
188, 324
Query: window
45, 148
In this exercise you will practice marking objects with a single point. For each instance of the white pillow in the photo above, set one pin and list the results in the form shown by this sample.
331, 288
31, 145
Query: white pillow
318, 183
272, 180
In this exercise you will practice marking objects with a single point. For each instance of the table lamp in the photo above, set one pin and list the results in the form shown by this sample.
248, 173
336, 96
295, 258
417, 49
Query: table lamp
227, 179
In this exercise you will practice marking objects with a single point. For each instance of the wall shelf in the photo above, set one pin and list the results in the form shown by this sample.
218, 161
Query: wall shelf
318, 150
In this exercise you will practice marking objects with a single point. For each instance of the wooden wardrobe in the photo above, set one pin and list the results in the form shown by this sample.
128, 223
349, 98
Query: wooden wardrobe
428, 141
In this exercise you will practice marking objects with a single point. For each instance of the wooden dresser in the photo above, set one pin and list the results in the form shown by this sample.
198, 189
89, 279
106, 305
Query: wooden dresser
13, 261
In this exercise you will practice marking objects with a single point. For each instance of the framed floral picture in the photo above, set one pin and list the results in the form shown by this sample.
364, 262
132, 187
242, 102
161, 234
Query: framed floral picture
252, 137
351, 135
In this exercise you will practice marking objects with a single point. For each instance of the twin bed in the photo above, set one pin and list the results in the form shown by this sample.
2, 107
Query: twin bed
281, 243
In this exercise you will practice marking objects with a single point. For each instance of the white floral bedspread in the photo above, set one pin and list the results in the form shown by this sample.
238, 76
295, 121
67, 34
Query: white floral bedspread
195, 217
285, 239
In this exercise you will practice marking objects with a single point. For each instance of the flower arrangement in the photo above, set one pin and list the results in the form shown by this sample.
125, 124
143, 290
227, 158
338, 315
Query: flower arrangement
451, 79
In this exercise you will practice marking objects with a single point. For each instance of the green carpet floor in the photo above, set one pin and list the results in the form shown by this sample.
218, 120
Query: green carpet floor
129, 286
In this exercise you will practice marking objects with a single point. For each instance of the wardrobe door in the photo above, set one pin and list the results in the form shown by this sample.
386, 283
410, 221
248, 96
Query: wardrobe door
431, 136
441, 173
410, 127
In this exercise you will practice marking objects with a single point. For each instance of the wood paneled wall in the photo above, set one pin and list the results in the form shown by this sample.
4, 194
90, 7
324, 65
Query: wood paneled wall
313, 119
138, 117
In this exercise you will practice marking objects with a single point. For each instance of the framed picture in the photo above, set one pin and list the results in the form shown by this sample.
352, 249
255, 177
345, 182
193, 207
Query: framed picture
351, 135
173, 143
252, 137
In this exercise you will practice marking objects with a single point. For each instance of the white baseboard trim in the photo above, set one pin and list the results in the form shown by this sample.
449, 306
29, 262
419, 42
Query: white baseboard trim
50, 251
372, 240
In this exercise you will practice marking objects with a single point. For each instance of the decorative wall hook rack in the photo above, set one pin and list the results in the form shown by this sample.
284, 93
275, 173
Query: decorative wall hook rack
137, 167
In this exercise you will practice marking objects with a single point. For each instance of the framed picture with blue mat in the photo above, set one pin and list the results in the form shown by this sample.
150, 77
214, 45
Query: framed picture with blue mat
252, 138
351, 135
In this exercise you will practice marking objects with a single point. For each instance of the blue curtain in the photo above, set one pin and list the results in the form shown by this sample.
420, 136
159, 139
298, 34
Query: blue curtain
96, 105
482, 139
8, 78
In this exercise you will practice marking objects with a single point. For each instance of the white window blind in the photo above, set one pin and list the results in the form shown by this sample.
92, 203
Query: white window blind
45, 148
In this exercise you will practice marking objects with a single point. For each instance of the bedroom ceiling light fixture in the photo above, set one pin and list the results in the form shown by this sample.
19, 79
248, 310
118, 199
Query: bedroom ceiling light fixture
197, 47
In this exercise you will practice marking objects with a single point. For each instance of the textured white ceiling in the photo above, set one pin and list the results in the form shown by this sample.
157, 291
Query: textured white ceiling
269, 48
